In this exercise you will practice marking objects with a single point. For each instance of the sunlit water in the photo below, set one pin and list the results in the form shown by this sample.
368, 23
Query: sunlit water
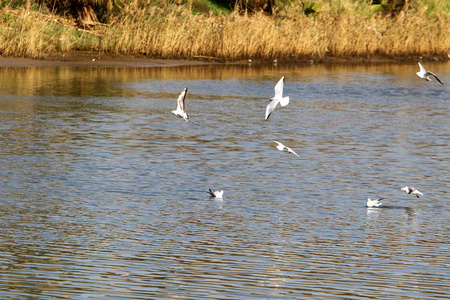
104, 190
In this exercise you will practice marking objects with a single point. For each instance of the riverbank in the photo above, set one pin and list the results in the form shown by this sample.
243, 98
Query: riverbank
89, 59
92, 59
175, 32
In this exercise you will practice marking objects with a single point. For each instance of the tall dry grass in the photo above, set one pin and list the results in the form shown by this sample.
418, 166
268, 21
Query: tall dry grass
21, 35
36, 33
181, 34
350, 30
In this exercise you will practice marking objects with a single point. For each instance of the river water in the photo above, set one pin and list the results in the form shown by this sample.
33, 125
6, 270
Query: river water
104, 191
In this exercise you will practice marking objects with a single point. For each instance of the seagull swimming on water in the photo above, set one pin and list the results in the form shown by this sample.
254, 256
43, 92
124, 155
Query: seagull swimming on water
374, 202
277, 98
282, 147
180, 107
411, 190
426, 74
216, 194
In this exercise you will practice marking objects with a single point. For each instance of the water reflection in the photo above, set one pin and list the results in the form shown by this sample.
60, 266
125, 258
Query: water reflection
104, 81
105, 191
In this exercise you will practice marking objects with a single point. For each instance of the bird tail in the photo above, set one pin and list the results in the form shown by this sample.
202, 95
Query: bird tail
284, 101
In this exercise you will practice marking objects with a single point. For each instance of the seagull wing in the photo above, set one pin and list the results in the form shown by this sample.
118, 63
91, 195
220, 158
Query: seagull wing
279, 88
279, 143
292, 151
416, 192
280, 146
422, 69
372, 203
270, 107
434, 75
378, 201
181, 99
211, 192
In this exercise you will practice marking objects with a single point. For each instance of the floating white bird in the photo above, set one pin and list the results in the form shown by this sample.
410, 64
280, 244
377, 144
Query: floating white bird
426, 74
374, 202
282, 147
411, 190
278, 98
180, 107
216, 194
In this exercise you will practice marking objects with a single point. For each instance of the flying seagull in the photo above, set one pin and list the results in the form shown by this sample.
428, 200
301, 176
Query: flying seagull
374, 202
411, 190
282, 147
426, 74
180, 107
278, 98
216, 194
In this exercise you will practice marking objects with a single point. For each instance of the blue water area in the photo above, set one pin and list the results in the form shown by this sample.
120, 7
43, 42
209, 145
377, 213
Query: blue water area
105, 191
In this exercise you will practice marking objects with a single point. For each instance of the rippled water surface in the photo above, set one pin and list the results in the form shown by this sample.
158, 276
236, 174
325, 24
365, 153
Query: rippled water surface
104, 190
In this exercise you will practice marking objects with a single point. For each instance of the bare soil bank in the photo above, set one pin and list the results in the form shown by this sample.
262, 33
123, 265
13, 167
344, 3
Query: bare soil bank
90, 59
87, 59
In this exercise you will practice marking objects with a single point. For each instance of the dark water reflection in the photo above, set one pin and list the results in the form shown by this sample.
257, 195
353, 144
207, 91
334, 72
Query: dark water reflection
104, 190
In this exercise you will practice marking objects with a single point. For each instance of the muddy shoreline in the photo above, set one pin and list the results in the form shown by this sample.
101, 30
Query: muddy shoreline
91, 59
86, 59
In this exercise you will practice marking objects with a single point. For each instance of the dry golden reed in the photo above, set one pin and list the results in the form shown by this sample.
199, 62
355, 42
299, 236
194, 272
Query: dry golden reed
175, 32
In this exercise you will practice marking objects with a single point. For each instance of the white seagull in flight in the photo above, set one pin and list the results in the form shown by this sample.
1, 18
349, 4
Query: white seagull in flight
180, 107
426, 74
411, 190
278, 98
282, 147
374, 202
216, 194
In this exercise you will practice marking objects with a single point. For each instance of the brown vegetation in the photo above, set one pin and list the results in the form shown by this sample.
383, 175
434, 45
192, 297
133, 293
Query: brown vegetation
171, 31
